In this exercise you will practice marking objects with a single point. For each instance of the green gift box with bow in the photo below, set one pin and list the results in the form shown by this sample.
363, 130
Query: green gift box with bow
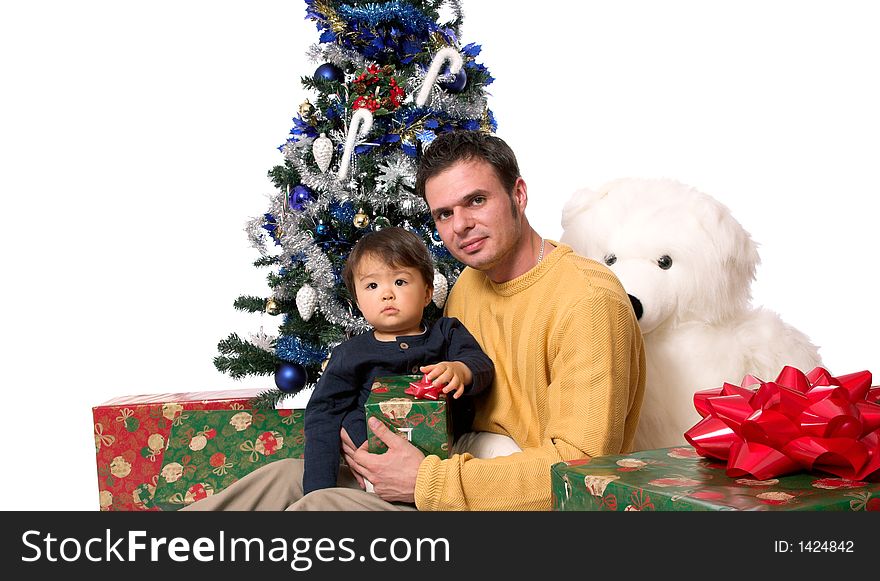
424, 422
212, 449
679, 479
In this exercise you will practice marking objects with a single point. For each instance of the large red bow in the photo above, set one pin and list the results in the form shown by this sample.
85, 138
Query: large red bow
799, 422
424, 389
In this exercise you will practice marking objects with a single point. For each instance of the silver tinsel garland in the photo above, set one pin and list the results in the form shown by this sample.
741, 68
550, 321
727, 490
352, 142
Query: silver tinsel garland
322, 279
454, 105
397, 169
257, 234
336, 55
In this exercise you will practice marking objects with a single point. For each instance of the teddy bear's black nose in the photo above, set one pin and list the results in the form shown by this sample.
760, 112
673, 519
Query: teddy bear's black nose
637, 306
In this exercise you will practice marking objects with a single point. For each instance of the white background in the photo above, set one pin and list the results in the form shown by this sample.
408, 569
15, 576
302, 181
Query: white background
135, 140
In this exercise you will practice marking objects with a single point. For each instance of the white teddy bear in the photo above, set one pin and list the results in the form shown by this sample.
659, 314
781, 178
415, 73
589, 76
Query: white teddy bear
687, 265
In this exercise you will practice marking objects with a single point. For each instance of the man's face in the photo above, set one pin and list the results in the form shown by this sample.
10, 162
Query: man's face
479, 222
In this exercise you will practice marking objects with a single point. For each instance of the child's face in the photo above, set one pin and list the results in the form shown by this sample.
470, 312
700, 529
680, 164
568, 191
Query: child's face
392, 298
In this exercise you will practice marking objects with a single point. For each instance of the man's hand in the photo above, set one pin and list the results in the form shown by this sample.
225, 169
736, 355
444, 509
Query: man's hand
454, 374
393, 473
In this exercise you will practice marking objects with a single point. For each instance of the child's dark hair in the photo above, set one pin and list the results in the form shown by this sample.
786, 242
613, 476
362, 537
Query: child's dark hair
395, 247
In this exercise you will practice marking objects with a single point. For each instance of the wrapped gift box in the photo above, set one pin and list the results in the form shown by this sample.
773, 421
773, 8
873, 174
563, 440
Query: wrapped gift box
209, 450
131, 433
424, 422
680, 479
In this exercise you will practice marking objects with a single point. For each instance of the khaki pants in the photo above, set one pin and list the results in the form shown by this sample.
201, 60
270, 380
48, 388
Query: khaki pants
278, 486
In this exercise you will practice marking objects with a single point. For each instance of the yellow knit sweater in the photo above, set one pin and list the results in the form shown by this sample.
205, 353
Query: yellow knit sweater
569, 380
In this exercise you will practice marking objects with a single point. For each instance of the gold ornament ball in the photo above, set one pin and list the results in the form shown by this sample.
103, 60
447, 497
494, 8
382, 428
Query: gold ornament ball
306, 110
272, 307
361, 220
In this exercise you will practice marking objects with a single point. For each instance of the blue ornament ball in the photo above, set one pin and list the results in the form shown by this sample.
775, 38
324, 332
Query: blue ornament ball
322, 229
299, 196
329, 72
457, 84
343, 212
290, 376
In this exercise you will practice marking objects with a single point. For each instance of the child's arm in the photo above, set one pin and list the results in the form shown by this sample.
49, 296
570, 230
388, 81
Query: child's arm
335, 394
455, 374
468, 366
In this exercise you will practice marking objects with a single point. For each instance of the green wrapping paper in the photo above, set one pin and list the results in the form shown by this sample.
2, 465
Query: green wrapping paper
678, 479
212, 449
423, 422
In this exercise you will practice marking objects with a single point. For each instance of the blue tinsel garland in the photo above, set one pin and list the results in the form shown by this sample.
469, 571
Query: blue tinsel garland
293, 349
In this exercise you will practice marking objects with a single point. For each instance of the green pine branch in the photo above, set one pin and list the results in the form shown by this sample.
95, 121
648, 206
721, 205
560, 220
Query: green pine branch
284, 176
266, 261
253, 304
270, 399
239, 358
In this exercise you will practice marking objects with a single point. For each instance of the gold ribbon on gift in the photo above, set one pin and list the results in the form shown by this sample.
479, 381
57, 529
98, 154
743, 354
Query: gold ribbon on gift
177, 498
102, 439
222, 469
124, 414
289, 420
179, 419
248, 446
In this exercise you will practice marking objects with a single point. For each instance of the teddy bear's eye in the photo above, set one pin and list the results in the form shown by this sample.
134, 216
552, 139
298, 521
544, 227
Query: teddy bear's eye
610, 259
664, 262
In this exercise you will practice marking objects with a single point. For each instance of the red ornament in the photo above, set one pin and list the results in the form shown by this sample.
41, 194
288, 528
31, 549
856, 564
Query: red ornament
270, 442
198, 492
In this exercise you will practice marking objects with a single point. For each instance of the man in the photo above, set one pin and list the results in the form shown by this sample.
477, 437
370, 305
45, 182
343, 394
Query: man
568, 354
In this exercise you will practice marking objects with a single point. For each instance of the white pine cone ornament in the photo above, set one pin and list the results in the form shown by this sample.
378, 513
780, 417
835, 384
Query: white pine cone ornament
441, 289
306, 301
322, 149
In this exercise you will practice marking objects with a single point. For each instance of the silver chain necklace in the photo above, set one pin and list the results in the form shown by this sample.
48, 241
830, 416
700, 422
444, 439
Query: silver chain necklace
541, 254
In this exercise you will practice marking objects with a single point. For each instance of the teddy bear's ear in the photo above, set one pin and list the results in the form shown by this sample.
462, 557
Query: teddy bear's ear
579, 202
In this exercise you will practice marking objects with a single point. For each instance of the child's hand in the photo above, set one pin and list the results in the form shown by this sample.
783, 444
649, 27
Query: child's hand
455, 374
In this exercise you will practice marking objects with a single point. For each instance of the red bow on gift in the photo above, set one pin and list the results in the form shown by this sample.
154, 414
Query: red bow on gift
799, 422
424, 389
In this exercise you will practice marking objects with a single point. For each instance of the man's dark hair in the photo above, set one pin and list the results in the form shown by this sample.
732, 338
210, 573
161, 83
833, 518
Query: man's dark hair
395, 247
455, 146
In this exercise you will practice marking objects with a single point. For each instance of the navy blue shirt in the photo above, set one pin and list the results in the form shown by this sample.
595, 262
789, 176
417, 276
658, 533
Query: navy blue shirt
341, 392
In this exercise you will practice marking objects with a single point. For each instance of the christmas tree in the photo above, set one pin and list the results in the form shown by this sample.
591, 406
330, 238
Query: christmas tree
391, 77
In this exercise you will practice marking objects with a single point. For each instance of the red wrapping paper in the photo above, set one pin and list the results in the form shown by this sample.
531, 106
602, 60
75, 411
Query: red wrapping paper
131, 434
798, 422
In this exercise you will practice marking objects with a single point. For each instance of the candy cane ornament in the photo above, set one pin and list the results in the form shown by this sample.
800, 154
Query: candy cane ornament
443, 55
360, 125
